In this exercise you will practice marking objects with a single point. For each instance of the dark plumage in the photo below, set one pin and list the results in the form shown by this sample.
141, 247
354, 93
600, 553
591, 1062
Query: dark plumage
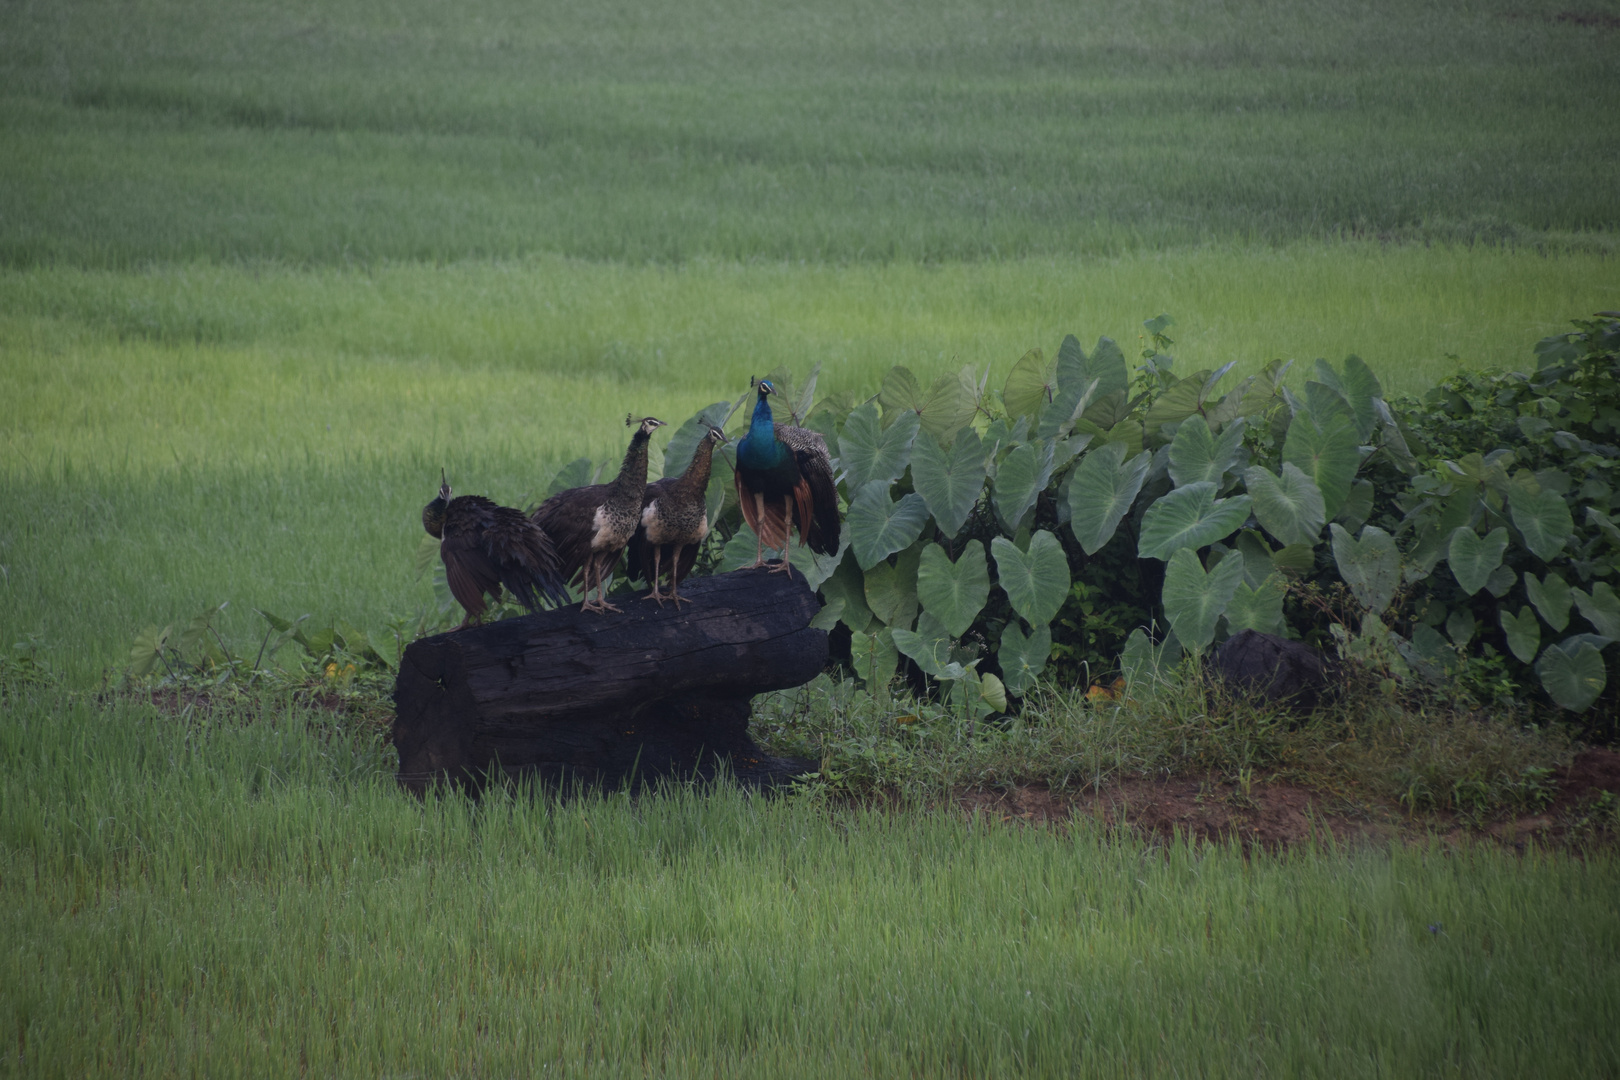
674, 521
485, 546
591, 525
785, 480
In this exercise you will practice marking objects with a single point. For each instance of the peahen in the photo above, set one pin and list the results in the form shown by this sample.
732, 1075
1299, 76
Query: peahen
591, 525
674, 521
785, 479
485, 546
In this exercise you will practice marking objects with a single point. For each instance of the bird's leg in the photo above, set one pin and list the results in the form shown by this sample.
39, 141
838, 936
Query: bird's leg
658, 557
601, 591
786, 565
675, 582
585, 580
759, 537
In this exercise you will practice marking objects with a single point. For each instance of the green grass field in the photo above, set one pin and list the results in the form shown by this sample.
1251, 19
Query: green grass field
220, 899
265, 268
827, 131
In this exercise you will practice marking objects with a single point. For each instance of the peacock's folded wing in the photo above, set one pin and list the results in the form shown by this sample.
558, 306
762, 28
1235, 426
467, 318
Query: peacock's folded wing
469, 571
815, 497
569, 519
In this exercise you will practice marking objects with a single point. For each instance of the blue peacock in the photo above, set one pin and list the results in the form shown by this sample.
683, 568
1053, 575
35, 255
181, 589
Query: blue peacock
785, 480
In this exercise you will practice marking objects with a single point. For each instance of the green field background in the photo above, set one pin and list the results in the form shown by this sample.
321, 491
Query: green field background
266, 268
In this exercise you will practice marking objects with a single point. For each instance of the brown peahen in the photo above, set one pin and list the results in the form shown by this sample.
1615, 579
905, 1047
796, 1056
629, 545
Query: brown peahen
485, 546
674, 521
591, 525
785, 479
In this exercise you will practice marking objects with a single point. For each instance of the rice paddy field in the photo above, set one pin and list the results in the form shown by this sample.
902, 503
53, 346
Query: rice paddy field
266, 268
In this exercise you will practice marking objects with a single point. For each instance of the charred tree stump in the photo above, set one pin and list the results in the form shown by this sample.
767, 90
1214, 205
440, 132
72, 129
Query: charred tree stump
568, 696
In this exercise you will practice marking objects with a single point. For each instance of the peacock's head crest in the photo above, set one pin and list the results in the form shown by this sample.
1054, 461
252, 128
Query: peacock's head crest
647, 424
434, 513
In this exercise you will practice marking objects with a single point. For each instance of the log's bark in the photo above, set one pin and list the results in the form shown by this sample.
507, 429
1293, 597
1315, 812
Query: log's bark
605, 699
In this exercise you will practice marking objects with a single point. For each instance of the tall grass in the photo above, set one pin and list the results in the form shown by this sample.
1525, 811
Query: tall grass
229, 897
824, 130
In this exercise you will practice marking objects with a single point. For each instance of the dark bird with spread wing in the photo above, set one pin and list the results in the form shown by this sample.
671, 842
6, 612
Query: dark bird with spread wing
485, 546
591, 525
674, 521
785, 480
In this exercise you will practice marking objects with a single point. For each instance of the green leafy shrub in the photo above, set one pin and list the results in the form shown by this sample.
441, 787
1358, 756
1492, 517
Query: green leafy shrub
1517, 495
1050, 528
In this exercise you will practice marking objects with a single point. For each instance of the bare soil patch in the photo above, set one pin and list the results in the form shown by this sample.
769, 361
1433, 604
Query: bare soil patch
1273, 814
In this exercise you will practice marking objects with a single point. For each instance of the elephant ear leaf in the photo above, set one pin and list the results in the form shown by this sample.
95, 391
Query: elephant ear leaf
891, 590
1020, 479
1101, 492
1022, 658
901, 391
1327, 453
1194, 600
1361, 390
1552, 598
1523, 633
878, 527
869, 451
950, 481
1258, 607
1543, 518
1370, 566
1189, 517
1197, 454
1572, 673
147, 650
954, 593
1107, 366
951, 402
930, 650
1601, 608
1473, 558
1030, 385
1037, 581
1290, 508
874, 657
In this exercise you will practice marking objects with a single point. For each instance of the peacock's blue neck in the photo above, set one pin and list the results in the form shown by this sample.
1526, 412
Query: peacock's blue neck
759, 449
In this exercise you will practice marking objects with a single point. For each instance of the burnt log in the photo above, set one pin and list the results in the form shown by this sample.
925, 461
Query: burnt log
609, 699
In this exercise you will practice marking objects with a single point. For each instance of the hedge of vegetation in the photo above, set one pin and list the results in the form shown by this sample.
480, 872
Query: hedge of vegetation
1079, 522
